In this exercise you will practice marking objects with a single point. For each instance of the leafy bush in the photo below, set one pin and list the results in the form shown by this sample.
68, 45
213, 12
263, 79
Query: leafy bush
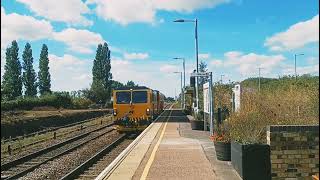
292, 105
81, 103
57, 100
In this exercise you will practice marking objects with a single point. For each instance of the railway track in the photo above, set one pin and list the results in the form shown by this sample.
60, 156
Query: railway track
50, 129
21, 147
106, 172
22, 166
93, 166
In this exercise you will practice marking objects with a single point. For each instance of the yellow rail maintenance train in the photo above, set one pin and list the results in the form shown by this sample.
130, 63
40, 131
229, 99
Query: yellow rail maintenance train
134, 108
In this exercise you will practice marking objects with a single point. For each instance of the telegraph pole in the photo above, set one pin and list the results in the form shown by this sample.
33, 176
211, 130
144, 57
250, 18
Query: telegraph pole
221, 77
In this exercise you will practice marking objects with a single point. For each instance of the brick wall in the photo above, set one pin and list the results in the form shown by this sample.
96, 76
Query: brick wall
294, 151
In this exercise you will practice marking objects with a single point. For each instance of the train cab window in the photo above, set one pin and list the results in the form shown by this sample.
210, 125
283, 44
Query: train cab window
123, 97
139, 97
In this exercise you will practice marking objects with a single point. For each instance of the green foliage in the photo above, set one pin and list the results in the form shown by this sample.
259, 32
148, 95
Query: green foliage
81, 103
12, 80
203, 67
116, 84
131, 84
29, 75
57, 100
44, 74
99, 93
101, 75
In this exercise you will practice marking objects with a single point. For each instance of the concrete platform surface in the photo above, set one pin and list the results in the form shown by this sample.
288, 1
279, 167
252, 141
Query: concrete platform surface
171, 150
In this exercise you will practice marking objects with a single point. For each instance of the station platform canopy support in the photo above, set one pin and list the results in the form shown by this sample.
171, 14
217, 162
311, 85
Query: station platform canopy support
208, 100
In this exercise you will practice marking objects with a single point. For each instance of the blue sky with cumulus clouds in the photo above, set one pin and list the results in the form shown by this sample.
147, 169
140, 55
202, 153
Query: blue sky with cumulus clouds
236, 37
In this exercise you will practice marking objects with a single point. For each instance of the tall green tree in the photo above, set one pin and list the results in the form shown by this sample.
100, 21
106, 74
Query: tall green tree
29, 75
44, 74
116, 84
131, 84
101, 75
12, 81
203, 68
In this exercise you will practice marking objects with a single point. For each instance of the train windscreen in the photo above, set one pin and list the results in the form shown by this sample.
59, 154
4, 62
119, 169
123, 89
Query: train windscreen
139, 97
123, 97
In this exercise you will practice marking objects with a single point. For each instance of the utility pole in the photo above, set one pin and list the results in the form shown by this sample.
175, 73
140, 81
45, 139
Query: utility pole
221, 77
196, 44
184, 79
181, 95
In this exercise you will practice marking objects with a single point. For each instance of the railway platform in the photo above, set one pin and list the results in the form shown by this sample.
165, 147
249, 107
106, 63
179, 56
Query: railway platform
169, 149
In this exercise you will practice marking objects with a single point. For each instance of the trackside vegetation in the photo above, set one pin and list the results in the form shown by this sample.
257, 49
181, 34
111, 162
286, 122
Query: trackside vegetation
24, 89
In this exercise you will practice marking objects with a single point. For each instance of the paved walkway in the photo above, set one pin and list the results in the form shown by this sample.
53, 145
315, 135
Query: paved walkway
171, 150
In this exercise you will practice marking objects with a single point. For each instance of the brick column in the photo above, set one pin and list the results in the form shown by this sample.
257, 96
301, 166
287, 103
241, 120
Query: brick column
294, 151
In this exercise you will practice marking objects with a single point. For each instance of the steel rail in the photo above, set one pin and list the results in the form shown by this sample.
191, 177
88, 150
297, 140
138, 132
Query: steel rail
25, 158
81, 168
50, 129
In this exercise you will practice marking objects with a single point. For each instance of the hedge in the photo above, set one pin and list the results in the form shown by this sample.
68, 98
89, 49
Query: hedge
56, 100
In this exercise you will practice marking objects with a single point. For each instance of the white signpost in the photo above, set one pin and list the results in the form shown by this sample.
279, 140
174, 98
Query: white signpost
208, 100
236, 97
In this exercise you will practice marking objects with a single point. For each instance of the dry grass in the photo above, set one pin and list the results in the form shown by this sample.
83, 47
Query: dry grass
292, 106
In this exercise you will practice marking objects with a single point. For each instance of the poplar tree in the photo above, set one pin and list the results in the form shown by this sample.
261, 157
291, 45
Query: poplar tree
101, 75
12, 83
29, 75
44, 74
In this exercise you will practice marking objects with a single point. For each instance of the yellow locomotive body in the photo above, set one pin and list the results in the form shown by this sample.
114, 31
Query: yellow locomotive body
134, 108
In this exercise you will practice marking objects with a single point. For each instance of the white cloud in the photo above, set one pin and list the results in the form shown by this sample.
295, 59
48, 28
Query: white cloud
69, 11
125, 11
136, 55
149, 75
69, 73
187, 6
169, 68
296, 36
132, 11
17, 27
310, 69
216, 63
21, 27
247, 64
79, 40
313, 60
204, 56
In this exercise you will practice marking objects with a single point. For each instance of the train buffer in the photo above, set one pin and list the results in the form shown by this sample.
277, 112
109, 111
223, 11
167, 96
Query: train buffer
169, 149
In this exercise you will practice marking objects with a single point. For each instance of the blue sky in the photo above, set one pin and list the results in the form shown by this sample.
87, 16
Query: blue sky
236, 37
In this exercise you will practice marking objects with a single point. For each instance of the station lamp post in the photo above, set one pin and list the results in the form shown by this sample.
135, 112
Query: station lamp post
184, 80
295, 64
181, 89
196, 42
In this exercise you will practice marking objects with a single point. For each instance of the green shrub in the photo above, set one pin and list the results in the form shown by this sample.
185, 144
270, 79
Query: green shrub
57, 100
81, 103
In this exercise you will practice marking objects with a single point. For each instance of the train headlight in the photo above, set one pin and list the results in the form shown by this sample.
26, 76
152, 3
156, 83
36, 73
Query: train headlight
148, 111
114, 112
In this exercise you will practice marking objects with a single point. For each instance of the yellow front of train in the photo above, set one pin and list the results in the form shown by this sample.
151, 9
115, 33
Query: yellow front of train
132, 108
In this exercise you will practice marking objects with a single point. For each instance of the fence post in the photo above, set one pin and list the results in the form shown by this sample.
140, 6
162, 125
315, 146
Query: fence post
9, 149
54, 135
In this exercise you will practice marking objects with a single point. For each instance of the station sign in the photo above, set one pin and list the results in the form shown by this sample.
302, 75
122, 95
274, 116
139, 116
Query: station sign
206, 98
200, 74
